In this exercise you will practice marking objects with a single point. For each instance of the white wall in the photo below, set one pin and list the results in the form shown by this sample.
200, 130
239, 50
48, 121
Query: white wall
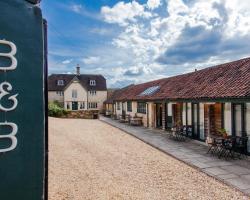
248, 124
184, 114
189, 110
170, 113
81, 94
202, 124
227, 118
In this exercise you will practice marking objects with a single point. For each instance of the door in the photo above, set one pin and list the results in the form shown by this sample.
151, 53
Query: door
74, 105
195, 120
158, 115
123, 111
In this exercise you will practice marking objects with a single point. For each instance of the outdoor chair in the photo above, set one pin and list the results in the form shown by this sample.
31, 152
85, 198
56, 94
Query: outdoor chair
215, 145
122, 119
227, 148
212, 145
240, 146
177, 134
189, 131
127, 118
184, 131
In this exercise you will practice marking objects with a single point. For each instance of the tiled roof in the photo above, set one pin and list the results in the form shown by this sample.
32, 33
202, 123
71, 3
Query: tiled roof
116, 94
83, 78
229, 80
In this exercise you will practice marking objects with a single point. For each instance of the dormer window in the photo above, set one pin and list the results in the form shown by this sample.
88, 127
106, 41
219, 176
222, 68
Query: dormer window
92, 82
60, 82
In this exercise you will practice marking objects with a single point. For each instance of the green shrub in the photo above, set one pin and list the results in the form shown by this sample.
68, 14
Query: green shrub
56, 111
59, 104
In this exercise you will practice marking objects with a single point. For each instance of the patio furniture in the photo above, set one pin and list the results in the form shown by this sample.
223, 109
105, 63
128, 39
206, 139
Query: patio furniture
136, 121
227, 147
108, 113
184, 131
240, 146
114, 116
127, 118
122, 118
212, 145
177, 134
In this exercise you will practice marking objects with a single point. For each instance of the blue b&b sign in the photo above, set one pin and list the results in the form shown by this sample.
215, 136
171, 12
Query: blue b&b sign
22, 101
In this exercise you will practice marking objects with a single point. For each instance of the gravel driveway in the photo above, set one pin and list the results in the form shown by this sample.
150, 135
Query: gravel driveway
92, 160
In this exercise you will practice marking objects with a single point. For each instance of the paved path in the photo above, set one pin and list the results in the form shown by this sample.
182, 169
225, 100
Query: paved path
234, 172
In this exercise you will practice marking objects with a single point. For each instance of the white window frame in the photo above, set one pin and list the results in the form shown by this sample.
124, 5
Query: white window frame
60, 93
74, 93
93, 105
60, 82
92, 92
92, 82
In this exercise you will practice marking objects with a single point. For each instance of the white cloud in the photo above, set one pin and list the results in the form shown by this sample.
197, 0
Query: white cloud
238, 18
123, 13
76, 8
91, 60
153, 4
144, 34
176, 7
67, 61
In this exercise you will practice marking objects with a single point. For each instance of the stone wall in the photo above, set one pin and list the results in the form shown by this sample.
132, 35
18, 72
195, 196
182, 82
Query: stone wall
83, 114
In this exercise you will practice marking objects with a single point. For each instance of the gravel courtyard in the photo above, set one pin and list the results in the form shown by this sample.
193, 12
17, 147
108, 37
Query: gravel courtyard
92, 160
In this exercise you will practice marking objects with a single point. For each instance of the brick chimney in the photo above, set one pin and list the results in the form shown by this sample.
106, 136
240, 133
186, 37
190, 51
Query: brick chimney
78, 70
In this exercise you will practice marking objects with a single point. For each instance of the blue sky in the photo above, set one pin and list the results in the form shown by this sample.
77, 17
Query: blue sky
137, 41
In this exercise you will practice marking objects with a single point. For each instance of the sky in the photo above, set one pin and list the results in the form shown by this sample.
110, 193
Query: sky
138, 41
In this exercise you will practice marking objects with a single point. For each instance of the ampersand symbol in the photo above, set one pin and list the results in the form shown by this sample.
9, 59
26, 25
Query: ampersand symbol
4, 92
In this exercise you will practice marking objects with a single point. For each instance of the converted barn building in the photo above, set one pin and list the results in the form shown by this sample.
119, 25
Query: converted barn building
206, 101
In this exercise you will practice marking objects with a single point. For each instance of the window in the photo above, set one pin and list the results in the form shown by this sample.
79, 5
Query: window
74, 93
92, 92
92, 105
118, 106
92, 82
150, 90
82, 105
60, 93
60, 82
129, 106
141, 107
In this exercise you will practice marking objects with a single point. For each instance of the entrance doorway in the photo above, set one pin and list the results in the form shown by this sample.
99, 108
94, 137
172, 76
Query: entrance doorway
158, 115
74, 105
213, 116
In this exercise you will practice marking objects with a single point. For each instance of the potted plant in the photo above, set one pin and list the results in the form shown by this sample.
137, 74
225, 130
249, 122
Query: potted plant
223, 133
178, 125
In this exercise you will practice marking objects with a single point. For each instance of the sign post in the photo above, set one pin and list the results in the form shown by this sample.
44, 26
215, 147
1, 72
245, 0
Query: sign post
23, 121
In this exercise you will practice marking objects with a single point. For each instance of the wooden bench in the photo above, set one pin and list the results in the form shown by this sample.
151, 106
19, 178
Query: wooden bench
136, 121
